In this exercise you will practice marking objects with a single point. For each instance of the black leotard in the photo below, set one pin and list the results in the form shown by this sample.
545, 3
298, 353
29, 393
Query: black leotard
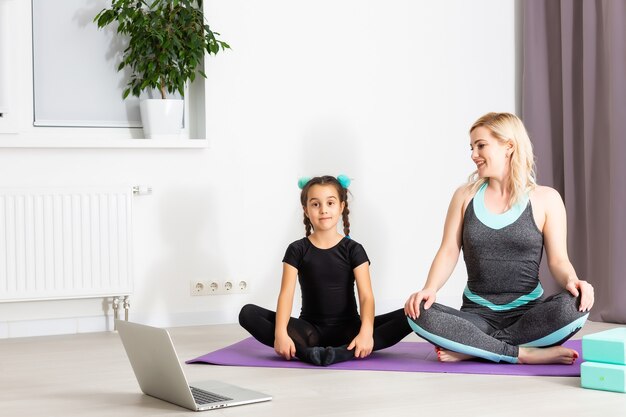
326, 278
329, 318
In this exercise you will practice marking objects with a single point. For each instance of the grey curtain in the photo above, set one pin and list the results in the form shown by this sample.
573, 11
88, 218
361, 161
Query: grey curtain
574, 106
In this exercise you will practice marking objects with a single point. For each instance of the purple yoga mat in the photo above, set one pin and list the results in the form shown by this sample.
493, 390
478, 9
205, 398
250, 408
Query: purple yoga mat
403, 357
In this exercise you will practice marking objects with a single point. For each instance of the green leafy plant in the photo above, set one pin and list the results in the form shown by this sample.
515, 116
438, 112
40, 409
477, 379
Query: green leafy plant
167, 41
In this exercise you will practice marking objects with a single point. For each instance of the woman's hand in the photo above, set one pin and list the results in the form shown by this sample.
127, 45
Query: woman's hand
284, 346
412, 305
585, 289
362, 345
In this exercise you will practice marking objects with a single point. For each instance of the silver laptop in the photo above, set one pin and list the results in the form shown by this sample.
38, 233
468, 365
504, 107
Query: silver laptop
154, 361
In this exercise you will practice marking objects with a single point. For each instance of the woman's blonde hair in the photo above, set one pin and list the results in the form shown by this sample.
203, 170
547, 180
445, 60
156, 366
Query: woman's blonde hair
508, 128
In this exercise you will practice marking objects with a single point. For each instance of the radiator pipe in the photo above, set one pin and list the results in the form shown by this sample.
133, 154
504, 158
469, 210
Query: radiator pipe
126, 307
116, 313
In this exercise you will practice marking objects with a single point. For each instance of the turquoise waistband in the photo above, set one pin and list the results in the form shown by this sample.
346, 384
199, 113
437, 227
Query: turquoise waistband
524, 299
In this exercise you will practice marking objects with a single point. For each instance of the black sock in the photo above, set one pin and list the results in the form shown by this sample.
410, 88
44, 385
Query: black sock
312, 355
336, 355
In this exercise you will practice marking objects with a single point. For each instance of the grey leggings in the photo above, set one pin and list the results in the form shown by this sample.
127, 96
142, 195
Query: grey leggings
495, 335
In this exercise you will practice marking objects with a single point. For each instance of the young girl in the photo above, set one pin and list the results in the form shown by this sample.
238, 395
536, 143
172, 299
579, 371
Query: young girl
327, 264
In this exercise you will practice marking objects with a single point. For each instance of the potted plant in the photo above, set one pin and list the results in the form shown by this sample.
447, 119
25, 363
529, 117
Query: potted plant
167, 40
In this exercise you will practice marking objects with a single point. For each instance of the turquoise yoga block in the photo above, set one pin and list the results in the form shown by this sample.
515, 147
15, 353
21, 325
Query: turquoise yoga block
608, 346
603, 376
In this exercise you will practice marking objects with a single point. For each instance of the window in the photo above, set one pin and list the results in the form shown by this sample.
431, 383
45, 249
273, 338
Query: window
65, 70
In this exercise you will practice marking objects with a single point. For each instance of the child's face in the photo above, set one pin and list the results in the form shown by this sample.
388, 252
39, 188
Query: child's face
323, 207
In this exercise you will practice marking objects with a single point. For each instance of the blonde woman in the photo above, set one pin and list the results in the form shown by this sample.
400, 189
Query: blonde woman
503, 220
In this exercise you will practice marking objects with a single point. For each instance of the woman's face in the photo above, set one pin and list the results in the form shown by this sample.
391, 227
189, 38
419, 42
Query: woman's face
489, 154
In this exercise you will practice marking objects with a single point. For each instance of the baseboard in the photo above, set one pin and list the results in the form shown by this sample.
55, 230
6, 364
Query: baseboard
103, 323
57, 326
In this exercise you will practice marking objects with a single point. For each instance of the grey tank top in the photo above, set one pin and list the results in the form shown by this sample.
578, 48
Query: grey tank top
502, 264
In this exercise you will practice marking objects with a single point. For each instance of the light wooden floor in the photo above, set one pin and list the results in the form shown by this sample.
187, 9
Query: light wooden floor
89, 375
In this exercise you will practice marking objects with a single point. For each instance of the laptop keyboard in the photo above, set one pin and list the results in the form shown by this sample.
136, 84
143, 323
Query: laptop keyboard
206, 397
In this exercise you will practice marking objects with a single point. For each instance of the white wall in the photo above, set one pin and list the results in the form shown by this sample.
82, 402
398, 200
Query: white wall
383, 91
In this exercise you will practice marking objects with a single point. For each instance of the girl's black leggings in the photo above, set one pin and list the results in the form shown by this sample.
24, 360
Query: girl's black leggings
389, 329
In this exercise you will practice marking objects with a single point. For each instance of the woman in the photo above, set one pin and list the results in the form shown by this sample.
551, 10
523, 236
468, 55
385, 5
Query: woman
503, 220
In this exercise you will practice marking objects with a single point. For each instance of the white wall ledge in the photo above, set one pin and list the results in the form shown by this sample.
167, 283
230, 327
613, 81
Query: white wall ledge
102, 143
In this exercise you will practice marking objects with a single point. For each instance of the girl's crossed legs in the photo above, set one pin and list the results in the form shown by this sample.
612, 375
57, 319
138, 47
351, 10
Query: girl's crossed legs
323, 344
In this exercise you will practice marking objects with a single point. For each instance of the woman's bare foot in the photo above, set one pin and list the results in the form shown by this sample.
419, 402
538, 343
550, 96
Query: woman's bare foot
444, 355
555, 354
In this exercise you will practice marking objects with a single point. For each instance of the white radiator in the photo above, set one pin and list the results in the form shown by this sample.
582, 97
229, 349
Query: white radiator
58, 243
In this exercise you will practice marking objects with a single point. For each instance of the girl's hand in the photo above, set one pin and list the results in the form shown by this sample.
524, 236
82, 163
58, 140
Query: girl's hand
362, 345
284, 346
585, 290
412, 305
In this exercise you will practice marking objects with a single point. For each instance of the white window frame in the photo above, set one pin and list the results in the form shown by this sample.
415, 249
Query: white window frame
16, 99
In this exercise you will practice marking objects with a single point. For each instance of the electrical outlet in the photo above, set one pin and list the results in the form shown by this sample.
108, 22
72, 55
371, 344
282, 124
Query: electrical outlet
228, 287
235, 286
197, 288
213, 288
243, 286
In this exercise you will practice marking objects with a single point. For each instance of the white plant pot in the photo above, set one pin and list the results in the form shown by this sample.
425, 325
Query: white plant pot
162, 119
